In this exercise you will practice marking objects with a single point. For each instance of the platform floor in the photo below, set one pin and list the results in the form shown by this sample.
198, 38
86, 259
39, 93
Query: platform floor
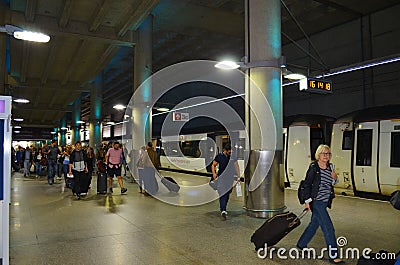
50, 227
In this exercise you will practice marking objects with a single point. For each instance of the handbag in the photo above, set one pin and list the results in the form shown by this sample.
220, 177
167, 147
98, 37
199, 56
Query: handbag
32, 168
238, 189
213, 184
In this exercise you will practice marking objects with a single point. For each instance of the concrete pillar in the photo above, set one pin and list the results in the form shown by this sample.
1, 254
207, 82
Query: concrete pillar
76, 116
3, 46
63, 139
263, 43
142, 70
96, 98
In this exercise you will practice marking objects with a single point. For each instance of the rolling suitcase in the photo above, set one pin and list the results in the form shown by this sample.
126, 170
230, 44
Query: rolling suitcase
101, 183
170, 184
276, 228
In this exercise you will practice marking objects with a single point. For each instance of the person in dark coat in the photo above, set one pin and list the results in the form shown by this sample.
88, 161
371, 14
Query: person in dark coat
228, 170
318, 187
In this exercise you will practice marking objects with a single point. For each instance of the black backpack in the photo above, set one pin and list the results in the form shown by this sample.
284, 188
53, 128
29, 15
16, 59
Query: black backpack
301, 193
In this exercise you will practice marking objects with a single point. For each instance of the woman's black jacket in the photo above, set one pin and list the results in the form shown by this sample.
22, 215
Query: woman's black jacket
313, 181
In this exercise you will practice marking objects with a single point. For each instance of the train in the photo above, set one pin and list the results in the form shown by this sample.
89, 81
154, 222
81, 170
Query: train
365, 148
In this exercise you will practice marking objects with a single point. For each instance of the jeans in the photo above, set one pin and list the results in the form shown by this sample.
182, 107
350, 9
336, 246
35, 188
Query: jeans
52, 169
38, 168
27, 166
320, 218
223, 200
65, 168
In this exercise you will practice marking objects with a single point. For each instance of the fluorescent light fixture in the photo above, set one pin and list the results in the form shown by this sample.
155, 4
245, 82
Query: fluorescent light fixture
53, 132
31, 36
119, 107
360, 67
200, 104
295, 76
110, 123
21, 100
21, 34
227, 65
348, 69
17, 127
17, 131
80, 122
18, 119
64, 128
162, 109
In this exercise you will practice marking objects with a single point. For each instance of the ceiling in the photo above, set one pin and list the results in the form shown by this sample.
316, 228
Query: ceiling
96, 36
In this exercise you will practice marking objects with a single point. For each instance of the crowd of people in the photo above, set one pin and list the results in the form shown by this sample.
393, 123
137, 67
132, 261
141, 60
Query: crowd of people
73, 163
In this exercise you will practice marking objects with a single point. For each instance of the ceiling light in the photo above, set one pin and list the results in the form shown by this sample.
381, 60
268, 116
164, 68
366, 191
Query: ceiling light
17, 131
17, 127
53, 132
80, 122
295, 76
110, 123
18, 119
21, 34
21, 100
31, 36
227, 65
64, 128
162, 109
119, 107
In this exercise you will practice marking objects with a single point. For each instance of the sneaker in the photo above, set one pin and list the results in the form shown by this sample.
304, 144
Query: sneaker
224, 214
123, 190
110, 190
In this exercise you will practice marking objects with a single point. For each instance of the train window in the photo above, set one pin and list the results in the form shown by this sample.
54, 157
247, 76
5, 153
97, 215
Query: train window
364, 147
347, 143
395, 150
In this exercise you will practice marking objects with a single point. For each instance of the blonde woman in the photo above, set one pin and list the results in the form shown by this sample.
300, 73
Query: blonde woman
318, 187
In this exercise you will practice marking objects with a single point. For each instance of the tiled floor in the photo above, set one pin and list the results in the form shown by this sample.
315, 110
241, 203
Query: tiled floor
50, 227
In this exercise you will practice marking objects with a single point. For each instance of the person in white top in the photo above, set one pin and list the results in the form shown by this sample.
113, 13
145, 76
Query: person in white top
113, 161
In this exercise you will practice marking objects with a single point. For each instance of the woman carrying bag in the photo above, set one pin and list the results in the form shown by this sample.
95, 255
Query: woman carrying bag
318, 188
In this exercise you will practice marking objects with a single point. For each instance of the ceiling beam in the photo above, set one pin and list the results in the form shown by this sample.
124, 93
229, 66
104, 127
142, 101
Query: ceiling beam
139, 14
74, 29
25, 61
30, 10
339, 7
65, 13
49, 62
78, 55
99, 15
108, 54
35, 83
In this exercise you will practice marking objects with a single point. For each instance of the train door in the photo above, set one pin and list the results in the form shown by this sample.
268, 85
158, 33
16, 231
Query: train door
297, 153
341, 148
389, 156
365, 157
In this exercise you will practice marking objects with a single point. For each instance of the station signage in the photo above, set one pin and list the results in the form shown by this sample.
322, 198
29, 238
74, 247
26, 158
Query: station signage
180, 116
315, 85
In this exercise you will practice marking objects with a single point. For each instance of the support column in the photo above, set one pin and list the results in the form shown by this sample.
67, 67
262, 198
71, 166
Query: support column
263, 43
96, 98
3, 47
76, 116
142, 70
63, 139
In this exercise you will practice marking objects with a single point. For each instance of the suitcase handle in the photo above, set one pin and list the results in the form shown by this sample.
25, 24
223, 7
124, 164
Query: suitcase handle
304, 212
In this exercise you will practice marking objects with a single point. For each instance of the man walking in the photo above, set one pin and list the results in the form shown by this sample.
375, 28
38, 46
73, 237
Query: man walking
228, 167
52, 152
113, 161
27, 157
